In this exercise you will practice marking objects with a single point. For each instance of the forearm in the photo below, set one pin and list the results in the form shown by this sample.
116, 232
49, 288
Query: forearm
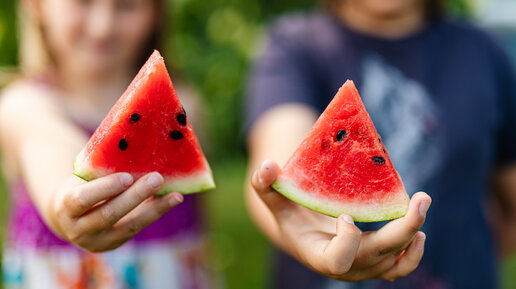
41, 144
46, 170
99, 215
274, 136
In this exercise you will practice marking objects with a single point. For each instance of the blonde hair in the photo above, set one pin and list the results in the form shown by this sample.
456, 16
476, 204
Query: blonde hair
33, 55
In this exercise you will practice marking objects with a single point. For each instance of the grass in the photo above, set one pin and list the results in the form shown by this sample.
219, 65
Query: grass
240, 252
508, 273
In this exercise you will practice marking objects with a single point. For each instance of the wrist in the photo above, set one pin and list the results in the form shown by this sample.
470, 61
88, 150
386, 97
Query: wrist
53, 214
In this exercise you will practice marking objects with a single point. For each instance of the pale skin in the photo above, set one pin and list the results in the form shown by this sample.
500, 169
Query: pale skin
335, 248
39, 142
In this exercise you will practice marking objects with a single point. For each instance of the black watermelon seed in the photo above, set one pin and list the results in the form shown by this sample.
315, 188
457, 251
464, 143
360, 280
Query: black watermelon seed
122, 144
181, 118
384, 151
341, 134
176, 135
379, 160
379, 140
135, 118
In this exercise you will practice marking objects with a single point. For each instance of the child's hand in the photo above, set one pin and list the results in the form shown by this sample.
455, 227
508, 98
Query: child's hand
336, 248
105, 213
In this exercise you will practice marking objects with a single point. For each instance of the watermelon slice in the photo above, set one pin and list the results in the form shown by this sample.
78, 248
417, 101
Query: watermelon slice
148, 130
342, 166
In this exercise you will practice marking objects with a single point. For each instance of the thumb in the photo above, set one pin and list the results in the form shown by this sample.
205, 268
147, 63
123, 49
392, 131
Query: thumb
262, 179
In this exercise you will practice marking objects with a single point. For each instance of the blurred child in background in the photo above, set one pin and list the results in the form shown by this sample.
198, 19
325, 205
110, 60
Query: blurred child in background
442, 95
77, 57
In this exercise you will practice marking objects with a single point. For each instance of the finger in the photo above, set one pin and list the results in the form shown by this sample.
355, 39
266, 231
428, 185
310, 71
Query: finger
85, 196
397, 234
262, 180
265, 175
109, 213
145, 214
409, 261
372, 270
340, 252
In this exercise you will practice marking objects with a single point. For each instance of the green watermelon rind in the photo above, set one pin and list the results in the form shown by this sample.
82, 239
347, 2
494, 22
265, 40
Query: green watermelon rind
393, 209
189, 184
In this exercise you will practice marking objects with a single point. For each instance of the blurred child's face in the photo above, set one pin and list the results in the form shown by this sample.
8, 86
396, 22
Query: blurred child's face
96, 37
386, 8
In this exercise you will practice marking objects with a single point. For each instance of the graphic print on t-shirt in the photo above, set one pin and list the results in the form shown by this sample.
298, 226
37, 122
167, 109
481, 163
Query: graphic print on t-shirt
406, 118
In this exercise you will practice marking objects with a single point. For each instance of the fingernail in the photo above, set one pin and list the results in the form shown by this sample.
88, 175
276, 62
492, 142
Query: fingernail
126, 179
347, 218
177, 198
420, 243
423, 208
264, 166
260, 175
155, 180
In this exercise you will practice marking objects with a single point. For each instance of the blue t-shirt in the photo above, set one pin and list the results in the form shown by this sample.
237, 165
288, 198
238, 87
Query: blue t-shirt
444, 102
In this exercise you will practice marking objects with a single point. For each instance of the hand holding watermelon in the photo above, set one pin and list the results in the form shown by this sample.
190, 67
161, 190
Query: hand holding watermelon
341, 169
103, 214
336, 248
148, 136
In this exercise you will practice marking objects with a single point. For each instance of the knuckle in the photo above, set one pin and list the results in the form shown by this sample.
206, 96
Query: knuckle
396, 253
109, 216
385, 250
394, 250
134, 228
162, 209
60, 212
413, 227
141, 194
353, 234
113, 182
76, 237
75, 199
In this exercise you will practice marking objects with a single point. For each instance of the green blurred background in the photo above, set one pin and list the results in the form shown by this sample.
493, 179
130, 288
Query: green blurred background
211, 44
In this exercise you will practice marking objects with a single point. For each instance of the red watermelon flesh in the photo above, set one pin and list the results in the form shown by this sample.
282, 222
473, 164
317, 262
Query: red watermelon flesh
342, 166
147, 130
